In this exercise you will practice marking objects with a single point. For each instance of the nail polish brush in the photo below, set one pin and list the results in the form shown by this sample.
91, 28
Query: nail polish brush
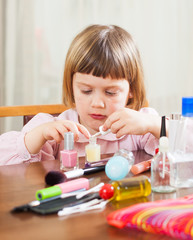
101, 132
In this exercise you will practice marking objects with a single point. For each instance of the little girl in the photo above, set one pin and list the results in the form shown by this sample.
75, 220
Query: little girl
103, 85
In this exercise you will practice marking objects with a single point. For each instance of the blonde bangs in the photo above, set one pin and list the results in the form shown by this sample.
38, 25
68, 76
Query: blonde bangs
103, 56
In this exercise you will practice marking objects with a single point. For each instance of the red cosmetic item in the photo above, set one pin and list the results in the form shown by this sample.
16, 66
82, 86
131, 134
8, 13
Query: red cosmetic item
107, 191
156, 150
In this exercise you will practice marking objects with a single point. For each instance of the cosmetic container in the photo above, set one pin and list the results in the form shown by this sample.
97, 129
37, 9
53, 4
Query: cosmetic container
160, 168
126, 188
119, 165
93, 151
187, 125
79, 184
68, 156
182, 165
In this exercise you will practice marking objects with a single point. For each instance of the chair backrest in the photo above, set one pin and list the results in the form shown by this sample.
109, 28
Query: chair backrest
28, 111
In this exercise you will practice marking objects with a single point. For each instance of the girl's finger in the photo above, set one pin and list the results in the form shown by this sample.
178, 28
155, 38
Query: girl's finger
71, 127
54, 134
83, 130
110, 120
61, 130
117, 125
122, 131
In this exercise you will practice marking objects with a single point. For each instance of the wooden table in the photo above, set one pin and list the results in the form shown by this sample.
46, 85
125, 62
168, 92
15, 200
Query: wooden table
18, 184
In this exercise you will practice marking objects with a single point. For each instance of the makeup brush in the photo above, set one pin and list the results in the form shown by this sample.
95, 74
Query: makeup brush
56, 177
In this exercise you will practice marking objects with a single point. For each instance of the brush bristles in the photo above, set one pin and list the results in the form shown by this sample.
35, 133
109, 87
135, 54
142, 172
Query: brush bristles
54, 177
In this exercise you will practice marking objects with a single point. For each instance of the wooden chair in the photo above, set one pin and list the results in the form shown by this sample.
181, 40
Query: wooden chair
28, 111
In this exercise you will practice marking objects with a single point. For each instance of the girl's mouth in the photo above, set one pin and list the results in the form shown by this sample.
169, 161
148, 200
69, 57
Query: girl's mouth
98, 116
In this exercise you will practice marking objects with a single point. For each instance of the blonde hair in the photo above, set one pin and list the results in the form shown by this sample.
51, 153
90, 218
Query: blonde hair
105, 51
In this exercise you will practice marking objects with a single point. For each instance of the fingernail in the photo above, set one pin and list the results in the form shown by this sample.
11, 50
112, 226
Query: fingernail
77, 137
104, 128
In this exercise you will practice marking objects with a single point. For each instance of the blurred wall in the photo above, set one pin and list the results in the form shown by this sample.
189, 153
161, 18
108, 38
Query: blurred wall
38, 34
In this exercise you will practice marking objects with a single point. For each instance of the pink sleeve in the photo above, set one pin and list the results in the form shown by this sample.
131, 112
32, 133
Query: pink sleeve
149, 143
14, 151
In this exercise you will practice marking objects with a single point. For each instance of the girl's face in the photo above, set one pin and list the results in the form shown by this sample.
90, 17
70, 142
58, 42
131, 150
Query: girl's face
96, 98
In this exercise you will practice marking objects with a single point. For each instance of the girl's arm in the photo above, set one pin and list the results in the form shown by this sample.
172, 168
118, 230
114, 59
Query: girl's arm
14, 149
37, 137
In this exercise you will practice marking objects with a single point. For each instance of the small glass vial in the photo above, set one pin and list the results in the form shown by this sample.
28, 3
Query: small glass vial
93, 151
68, 156
160, 168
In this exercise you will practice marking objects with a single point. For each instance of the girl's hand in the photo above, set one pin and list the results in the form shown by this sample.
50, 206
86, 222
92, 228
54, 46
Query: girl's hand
128, 121
55, 130
36, 138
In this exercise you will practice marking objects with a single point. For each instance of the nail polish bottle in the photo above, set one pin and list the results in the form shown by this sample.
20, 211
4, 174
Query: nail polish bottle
93, 151
68, 156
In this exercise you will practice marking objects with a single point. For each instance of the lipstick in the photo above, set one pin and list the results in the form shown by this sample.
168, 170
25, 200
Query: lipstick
70, 186
141, 167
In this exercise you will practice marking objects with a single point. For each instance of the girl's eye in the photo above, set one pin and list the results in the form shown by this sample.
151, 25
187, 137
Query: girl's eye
86, 91
110, 93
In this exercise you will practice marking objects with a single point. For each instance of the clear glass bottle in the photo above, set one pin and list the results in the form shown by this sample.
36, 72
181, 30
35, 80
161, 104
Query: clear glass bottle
182, 166
93, 151
160, 168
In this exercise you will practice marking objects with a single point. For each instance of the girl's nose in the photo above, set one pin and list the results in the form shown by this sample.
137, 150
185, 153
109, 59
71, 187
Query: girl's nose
97, 102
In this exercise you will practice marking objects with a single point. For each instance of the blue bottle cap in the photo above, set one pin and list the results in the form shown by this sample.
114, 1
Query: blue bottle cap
187, 106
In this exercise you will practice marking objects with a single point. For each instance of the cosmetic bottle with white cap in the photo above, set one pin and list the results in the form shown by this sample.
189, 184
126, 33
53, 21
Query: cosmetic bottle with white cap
161, 165
68, 156
93, 151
